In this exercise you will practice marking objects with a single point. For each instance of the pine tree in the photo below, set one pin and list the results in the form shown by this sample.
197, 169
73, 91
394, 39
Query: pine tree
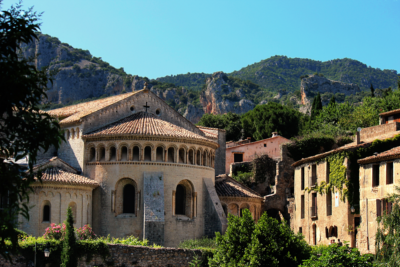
316, 106
332, 101
68, 254
372, 91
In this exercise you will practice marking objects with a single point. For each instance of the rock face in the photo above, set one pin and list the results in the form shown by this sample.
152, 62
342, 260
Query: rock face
193, 113
220, 97
78, 74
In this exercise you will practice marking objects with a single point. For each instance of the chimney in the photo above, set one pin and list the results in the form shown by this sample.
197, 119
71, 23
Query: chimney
274, 134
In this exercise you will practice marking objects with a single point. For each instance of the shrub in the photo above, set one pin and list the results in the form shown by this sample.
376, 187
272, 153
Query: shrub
335, 255
55, 231
202, 243
69, 253
85, 233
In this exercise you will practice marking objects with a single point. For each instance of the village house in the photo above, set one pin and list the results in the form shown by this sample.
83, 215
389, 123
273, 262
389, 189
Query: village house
321, 213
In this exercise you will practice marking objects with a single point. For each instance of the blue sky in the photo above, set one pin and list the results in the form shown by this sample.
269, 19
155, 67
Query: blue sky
159, 38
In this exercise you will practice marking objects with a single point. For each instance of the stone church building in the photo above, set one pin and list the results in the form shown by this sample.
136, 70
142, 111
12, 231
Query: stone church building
132, 165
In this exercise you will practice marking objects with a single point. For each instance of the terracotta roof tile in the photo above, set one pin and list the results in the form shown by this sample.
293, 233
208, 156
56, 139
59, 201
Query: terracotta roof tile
393, 153
57, 175
142, 123
228, 187
209, 133
391, 112
74, 113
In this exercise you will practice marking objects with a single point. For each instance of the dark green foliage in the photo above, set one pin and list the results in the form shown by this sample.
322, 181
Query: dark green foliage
372, 90
246, 178
231, 246
335, 255
23, 130
332, 101
307, 146
274, 244
230, 122
267, 243
69, 257
316, 106
388, 235
260, 122
192, 81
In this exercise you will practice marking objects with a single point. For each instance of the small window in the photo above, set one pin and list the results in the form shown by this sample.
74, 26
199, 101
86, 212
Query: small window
102, 155
375, 175
314, 175
302, 207
313, 209
327, 171
132, 108
147, 153
329, 203
135, 153
389, 173
46, 213
300, 230
238, 158
128, 199
265, 145
113, 154
158, 112
124, 153
302, 178
378, 208
92, 156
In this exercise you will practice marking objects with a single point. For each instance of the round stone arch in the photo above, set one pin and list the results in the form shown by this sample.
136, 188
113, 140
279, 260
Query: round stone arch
45, 211
184, 199
111, 152
91, 152
160, 152
205, 158
101, 152
66, 134
191, 155
77, 132
233, 209
148, 155
199, 156
136, 151
183, 154
244, 206
172, 152
124, 203
72, 133
123, 151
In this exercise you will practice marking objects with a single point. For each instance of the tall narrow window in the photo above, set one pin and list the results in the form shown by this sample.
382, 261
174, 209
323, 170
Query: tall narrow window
182, 156
159, 154
302, 207
92, 156
329, 203
313, 209
314, 175
375, 175
46, 213
124, 153
113, 154
389, 173
198, 157
180, 200
191, 156
135, 152
302, 178
102, 156
327, 171
378, 208
128, 199
171, 154
300, 230
147, 153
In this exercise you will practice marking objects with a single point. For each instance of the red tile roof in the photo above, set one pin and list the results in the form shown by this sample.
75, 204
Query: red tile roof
59, 176
393, 153
142, 123
395, 111
209, 132
74, 113
228, 187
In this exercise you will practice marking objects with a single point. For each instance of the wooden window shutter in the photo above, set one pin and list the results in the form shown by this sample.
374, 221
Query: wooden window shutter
384, 206
378, 208
326, 232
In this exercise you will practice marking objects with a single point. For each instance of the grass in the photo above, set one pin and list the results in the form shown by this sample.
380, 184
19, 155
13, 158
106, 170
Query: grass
203, 243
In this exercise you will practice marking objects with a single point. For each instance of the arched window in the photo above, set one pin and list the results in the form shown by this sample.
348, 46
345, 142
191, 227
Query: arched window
92, 156
182, 156
124, 153
191, 156
66, 134
46, 213
147, 153
198, 157
159, 154
171, 154
113, 153
72, 133
180, 200
205, 158
77, 132
135, 153
73, 208
129, 199
102, 155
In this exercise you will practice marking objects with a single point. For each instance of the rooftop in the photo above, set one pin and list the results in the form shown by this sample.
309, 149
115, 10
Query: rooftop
143, 123
228, 187
393, 153
60, 176
387, 113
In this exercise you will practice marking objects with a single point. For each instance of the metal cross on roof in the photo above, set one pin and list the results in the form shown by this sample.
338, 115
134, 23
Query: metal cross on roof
146, 107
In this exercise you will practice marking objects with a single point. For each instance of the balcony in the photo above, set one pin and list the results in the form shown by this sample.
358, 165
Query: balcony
313, 212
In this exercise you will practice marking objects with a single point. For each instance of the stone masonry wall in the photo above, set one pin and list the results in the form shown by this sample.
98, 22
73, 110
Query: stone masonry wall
220, 153
377, 130
122, 255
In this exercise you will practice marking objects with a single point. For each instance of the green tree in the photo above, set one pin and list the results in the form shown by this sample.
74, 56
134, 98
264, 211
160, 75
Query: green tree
388, 235
316, 106
69, 254
230, 122
275, 244
232, 245
335, 255
332, 101
260, 122
24, 130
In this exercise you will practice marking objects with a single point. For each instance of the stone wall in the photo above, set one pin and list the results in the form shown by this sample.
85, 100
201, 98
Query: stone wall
214, 216
72, 150
220, 153
122, 255
375, 131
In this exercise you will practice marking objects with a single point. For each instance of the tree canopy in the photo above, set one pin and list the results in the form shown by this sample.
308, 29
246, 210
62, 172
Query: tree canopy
24, 130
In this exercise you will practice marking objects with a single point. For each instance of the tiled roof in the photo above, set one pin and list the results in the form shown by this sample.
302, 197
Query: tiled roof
349, 146
74, 113
41, 163
59, 176
395, 111
393, 153
142, 123
228, 187
209, 132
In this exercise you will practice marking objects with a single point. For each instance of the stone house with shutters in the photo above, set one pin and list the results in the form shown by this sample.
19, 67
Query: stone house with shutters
131, 165
325, 218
